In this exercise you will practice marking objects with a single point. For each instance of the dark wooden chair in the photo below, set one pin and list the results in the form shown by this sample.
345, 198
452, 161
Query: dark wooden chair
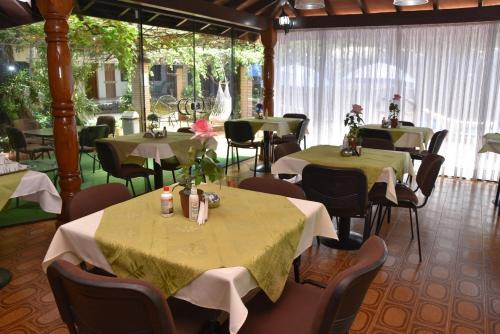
239, 134
110, 121
283, 150
434, 146
18, 142
86, 138
276, 187
96, 198
344, 192
406, 123
91, 303
364, 133
297, 136
306, 309
407, 198
172, 164
111, 164
377, 143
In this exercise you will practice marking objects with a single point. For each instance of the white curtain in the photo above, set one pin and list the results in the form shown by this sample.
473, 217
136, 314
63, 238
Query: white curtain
448, 76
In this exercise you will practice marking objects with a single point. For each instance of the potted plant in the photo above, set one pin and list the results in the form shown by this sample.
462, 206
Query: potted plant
353, 120
154, 120
202, 164
394, 110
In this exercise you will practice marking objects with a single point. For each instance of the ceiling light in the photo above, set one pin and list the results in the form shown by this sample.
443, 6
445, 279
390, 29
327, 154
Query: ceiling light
284, 21
410, 2
309, 4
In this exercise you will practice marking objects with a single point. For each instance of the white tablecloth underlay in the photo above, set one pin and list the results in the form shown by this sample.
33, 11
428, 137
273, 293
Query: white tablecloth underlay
411, 139
221, 288
37, 187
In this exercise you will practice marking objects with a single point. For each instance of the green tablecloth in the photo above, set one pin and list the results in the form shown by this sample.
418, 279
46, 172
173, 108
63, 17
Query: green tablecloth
371, 161
8, 184
281, 125
178, 142
255, 230
397, 133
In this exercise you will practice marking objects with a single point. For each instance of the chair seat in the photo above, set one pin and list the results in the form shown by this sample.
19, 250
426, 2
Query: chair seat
284, 139
247, 144
406, 196
170, 163
190, 318
132, 170
294, 311
87, 149
419, 155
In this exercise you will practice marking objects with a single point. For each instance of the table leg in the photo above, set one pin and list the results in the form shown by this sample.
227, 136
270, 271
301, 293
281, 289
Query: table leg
497, 199
348, 240
158, 175
266, 167
5, 277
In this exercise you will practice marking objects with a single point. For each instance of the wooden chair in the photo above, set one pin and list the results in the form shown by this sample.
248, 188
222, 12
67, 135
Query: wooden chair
172, 164
377, 143
86, 138
91, 303
406, 123
364, 133
96, 198
297, 136
283, 150
407, 198
111, 164
434, 146
239, 134
18, 142
306, 309
110, 121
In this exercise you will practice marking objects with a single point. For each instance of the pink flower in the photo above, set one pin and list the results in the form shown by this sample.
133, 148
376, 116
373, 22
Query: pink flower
357, 109
397, 97
203, 130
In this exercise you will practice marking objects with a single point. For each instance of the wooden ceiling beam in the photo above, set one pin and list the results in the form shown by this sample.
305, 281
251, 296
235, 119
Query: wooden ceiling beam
435, 4
363, 7
329, 7
204, 10
125, 11
480, 3
257, 6
478, 14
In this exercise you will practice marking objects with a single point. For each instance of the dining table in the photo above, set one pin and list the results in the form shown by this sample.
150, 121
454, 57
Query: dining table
44, 133
249, 242
31, 186
491, 143
175, 144
269, 125
406, 136
384, 166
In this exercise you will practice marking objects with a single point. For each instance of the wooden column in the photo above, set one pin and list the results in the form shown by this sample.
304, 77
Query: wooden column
56, 13
269, 39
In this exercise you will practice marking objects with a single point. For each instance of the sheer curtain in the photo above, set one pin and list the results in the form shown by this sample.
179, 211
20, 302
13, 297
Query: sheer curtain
448, 76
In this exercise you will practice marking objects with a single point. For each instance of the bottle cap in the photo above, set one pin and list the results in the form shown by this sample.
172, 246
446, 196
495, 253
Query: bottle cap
166, 188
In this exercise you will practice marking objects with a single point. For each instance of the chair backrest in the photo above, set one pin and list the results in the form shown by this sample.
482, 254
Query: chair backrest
301, 130
343, 296
302, 116
377, 143
436, 141
343, 191
406, 123
428, 173
374, 133
88, 135
238, 131
272, 186
285, 149
96, 198
91, 303
185, 130
16, 138
110, 121
108, 157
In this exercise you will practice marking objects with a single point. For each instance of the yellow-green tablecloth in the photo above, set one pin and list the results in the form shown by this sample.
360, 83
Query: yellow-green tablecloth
175, 144
8, 184
491, 143
257, 231
424, 134
280, 125
371, 161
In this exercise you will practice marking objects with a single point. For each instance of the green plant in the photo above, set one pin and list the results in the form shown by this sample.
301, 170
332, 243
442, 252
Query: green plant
353, 120
125, 101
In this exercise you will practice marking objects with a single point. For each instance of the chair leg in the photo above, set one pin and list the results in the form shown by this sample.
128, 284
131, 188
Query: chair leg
318, 240
48, 154
227, 157
107, 178
132, 186
411, 225
305, 145
389, 211
367, 230
238, 158
148, 182
379, 219
93, 165
255, 163
81, 169
296, 269
173, 175
418, 236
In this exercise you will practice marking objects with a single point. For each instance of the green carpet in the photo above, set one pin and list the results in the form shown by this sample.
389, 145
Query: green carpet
29, 212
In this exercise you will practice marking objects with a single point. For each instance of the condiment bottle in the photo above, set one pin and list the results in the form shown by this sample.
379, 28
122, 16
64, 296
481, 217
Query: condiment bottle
194, 204
164, 131
167, 202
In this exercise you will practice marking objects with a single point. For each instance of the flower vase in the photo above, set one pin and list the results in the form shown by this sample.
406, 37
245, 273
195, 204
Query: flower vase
394, 123
352, 143
184, 195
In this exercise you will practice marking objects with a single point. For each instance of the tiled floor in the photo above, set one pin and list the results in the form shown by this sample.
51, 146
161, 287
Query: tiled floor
456, 289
